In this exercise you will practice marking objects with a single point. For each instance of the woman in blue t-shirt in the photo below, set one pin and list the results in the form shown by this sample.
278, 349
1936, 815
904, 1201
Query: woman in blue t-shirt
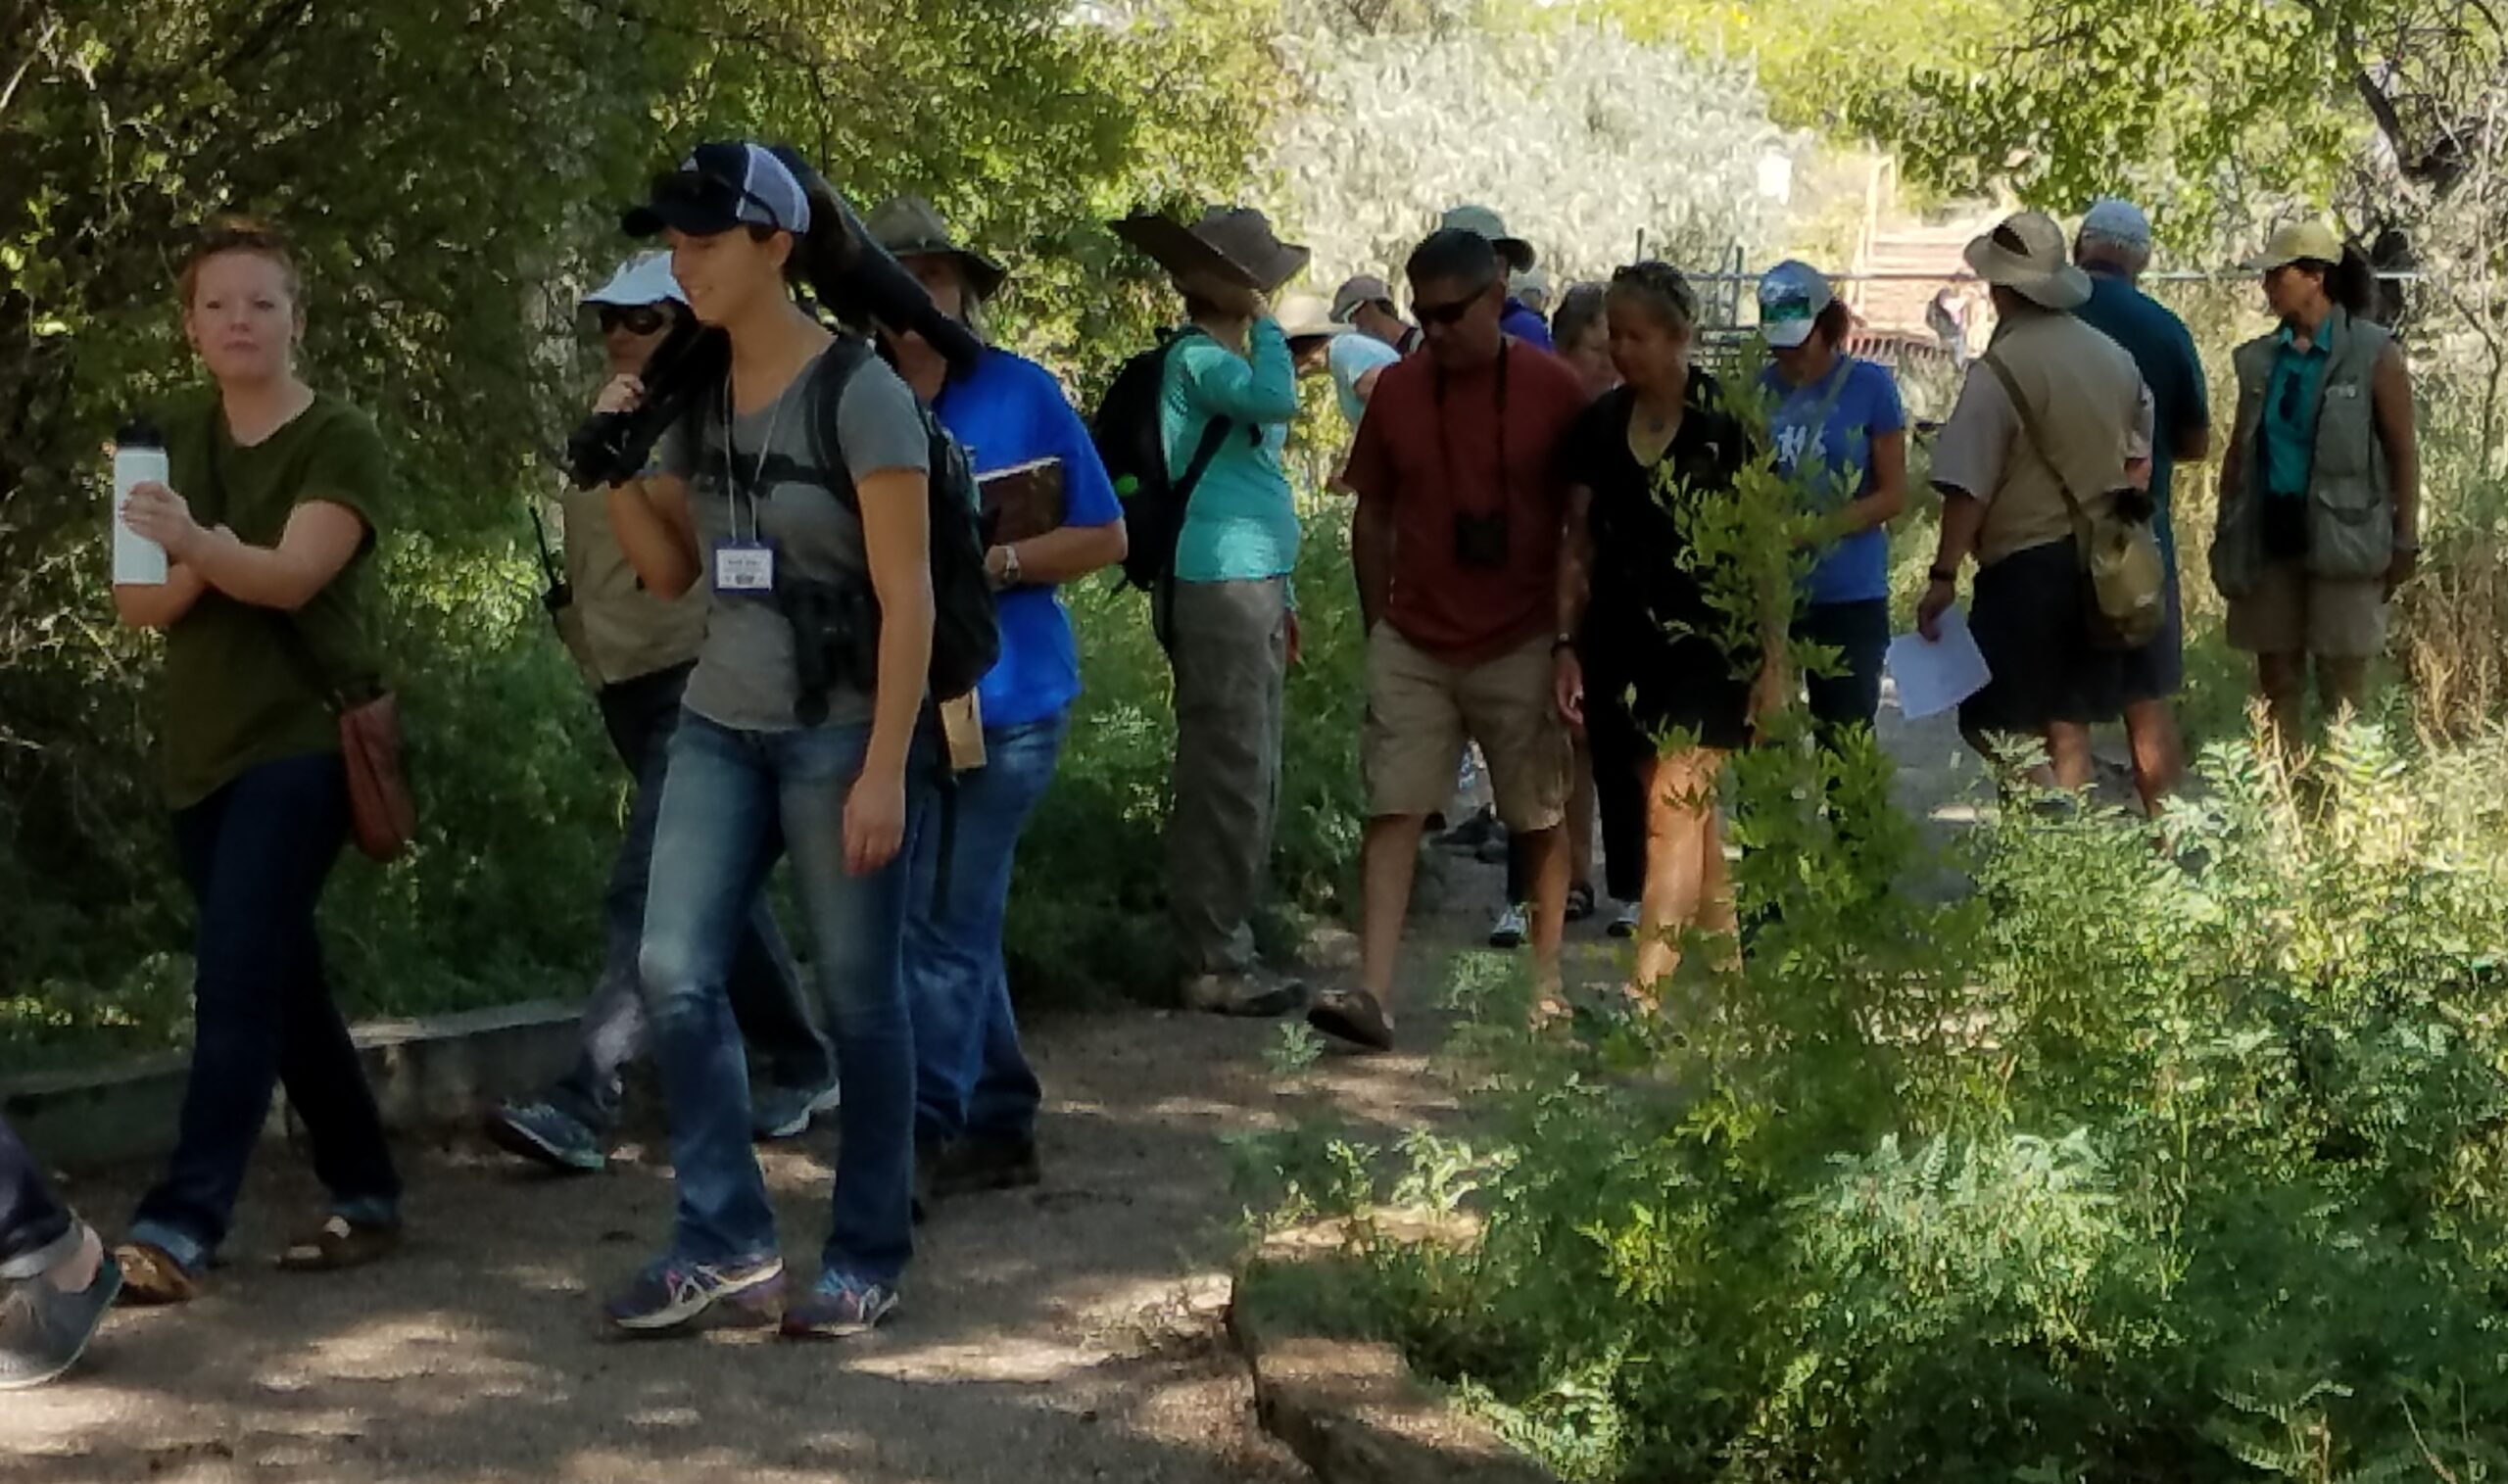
1841, 431
976, 1099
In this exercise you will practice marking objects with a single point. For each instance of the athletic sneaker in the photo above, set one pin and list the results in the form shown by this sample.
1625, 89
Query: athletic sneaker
673, 1292
1625, 923
43, 1330
547, 1135
839, 1308
1512, 926
786, 1112
1258, 995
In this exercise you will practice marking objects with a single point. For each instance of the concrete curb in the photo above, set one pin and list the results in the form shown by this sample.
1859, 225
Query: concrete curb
428, 1072
1352, 1412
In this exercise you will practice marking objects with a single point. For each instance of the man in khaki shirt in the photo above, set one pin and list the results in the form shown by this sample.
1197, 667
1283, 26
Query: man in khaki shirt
2004, 498
637, 650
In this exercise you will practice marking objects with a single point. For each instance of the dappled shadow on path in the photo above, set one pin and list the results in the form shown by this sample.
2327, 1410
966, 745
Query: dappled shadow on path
1062, 1333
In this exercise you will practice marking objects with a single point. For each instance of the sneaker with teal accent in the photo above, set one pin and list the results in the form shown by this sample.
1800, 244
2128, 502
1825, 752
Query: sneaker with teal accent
546, 1135
787, 1113
674, 1292
839, 1308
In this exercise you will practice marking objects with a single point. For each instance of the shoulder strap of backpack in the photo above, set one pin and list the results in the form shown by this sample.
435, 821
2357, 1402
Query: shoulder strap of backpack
828, 380
1214, 434
2030, 434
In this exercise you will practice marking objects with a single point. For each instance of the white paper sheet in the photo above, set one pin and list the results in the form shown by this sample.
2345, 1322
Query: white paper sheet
1934, 676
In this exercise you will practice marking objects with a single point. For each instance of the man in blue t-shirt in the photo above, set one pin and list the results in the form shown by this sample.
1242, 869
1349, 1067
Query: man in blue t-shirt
2114, 246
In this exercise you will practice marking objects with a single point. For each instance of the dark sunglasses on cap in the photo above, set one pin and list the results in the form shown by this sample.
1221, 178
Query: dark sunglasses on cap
634, 318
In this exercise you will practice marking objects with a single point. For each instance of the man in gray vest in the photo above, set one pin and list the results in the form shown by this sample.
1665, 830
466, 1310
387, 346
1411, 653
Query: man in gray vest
636, 650
2054, 413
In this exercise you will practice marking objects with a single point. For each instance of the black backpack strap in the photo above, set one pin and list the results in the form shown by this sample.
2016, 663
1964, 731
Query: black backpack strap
1214, 432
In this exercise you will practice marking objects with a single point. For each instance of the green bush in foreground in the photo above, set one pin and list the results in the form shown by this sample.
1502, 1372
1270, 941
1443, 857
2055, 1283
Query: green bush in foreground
2129, 1166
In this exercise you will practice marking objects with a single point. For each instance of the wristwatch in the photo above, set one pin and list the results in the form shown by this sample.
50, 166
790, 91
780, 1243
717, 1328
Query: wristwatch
1558, 642
1009, 577
1938, 574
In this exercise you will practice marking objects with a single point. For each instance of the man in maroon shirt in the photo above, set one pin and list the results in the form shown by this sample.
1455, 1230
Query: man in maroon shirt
1456, 541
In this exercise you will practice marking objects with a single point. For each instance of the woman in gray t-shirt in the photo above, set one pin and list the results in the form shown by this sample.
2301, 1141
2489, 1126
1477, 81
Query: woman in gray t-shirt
796, 496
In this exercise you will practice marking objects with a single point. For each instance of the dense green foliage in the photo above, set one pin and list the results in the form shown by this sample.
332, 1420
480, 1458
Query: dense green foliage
451, 171
2137, 1154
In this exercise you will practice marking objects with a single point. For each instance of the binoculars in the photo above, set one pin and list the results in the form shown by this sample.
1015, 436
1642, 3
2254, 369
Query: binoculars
850, 276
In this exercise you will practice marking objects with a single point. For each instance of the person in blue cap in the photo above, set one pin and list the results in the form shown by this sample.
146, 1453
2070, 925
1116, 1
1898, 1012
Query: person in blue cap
1840, 432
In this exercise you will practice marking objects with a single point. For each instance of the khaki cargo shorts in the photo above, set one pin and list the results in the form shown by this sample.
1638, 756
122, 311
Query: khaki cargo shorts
2290, 612
1420, 711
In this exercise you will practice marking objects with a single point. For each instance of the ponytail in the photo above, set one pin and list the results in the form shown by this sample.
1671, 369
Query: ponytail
2352, 284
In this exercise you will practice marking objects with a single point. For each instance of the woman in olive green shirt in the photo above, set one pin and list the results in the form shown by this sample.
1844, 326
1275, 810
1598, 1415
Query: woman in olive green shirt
265, 609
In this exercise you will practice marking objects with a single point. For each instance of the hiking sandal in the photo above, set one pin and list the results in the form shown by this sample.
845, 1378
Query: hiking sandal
339, 1243
150, 1276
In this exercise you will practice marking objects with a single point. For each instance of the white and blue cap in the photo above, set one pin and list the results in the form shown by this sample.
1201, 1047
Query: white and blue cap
1793, 295
641, 280
2119, 222
720, 186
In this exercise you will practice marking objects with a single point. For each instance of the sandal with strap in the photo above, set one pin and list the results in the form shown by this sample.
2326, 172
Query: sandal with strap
340, 1243
150, 1276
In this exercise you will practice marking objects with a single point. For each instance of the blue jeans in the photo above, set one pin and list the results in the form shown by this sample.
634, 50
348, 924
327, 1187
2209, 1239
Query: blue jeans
765, 985
255, 854
970, 1076
32, 1220
729, 793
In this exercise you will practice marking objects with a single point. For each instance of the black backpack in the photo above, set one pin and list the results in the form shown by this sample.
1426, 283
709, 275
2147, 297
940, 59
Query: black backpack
838, 629
1128, 437
966, 632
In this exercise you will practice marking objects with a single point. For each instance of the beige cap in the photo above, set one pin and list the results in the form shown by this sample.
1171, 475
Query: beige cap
1306, 317
2300, 242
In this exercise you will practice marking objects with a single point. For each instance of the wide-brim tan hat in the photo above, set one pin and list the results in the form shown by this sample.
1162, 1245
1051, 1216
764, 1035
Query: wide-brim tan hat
2027, 254
1306, 317
910, 226
2300, 242
1236, 243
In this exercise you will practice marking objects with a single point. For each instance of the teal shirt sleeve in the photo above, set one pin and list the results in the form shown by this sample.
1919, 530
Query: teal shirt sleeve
1259, 387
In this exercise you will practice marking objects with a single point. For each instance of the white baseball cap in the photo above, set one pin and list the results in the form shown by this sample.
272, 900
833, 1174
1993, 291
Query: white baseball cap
1793, 295
643, 279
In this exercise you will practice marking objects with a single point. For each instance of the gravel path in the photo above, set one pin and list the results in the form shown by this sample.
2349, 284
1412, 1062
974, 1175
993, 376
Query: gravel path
1051, 1336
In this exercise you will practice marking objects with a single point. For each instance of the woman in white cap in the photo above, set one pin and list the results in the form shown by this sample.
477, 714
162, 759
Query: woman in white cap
803, 476
637, 649
1055, 520
1841, 433
269, 523
2321, 482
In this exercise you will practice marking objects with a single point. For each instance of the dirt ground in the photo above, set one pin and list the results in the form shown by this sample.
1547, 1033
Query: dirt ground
1063, 1334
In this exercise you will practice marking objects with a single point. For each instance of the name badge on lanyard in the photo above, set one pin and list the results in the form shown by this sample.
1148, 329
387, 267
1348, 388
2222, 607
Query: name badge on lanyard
746, 568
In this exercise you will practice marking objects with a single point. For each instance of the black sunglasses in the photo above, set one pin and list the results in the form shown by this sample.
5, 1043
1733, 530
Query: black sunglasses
634, 318
1448, 315
701, 185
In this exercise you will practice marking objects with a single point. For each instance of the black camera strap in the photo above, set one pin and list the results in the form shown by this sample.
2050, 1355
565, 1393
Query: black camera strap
1445, 433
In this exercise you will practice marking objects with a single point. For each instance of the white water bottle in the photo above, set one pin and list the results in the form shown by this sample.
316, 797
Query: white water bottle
139, 457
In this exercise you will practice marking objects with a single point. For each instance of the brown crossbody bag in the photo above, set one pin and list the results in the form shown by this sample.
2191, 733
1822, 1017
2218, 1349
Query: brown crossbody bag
383, 815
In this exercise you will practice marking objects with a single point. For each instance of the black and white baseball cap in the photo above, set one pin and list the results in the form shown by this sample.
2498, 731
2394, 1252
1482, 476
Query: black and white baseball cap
720, 186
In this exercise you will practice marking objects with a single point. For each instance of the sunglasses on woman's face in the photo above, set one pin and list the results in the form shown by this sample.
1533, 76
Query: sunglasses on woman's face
635, 319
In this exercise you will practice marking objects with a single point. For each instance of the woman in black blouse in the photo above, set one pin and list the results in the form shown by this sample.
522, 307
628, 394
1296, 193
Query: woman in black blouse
1647, 673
